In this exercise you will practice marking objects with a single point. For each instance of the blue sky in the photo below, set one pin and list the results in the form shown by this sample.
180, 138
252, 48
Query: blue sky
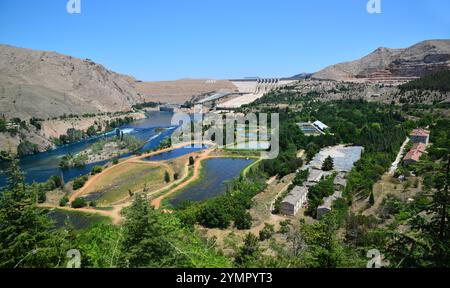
173, 39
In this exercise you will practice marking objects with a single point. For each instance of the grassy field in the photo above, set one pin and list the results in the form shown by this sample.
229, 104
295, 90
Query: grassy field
116, 184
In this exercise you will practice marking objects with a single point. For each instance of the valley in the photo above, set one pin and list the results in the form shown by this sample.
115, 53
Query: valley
347, 176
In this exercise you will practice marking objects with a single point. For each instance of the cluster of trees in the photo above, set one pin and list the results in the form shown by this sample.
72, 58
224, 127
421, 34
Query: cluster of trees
229, 208
144, 105
72, 135
71, 160
324, 188
79, 182
287, 162
147, 238
26, 148
115, 123
439, 81
26, 237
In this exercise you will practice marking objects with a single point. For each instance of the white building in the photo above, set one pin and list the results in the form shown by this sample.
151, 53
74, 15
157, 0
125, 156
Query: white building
294, 201
327, 205
320, 126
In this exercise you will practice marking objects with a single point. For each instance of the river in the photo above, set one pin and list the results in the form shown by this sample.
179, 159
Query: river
40, 167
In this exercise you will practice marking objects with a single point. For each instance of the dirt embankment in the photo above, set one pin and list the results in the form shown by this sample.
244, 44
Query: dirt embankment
55, 128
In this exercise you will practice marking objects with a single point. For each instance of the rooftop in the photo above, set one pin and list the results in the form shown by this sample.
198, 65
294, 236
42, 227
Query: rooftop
320, 125
416, 152
315, 175
296, 195
344, 157
420, 133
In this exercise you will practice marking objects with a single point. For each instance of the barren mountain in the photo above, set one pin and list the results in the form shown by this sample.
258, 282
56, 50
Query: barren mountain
180, 91
393, 64
48, 84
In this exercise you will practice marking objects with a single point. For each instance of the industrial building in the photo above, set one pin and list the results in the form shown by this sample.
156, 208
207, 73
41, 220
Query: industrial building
294, 201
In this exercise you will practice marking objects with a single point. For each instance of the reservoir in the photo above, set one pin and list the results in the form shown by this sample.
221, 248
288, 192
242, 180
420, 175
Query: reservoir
216, 173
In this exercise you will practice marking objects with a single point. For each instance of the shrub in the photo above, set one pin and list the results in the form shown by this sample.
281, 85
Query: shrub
42, 196
167, 177
27, 148
267, 232
243, 220
64, 201
115, 161
96, 170
79, 182
79, 203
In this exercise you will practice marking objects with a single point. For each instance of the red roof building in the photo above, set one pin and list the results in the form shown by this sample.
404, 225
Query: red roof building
415, 153
420, 136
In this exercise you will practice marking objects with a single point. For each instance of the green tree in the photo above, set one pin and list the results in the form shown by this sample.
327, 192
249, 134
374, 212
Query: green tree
267, 232
249, 253
64, 201
26, 239
145, 240
328, 164
96, 170
27, 148
79, 203
243, 220
167, 177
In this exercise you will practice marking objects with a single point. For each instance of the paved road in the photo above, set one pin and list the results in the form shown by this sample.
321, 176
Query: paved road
399, 158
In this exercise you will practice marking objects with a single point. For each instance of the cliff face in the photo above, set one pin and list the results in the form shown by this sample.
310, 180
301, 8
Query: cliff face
393, 64
47, 84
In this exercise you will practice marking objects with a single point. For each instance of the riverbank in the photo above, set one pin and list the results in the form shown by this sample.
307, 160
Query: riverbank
49, 129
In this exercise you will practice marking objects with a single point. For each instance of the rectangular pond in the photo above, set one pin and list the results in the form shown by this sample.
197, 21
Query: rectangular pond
216, 173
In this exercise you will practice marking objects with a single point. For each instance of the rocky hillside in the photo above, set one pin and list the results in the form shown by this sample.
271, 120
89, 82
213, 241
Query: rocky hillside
180, 91
393, 64
47, 84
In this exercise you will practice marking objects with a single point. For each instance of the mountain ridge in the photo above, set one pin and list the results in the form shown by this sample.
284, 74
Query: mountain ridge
387, 64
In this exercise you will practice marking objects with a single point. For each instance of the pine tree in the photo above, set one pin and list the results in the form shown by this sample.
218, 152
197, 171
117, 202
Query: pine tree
249, 253
328, 164
145, 242
25, 236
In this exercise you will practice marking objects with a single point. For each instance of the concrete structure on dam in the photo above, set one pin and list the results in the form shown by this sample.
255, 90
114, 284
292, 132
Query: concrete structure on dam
251, 90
